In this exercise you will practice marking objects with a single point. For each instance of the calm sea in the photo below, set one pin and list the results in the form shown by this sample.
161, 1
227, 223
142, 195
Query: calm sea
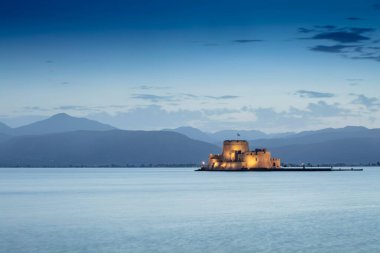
179, 210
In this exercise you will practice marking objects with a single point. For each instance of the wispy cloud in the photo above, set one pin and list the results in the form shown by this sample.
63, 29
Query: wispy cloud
367, 57
313, 94
220, 111
305, 30
211, 44
151, 117
75, 108
35, 109
370, 103
222, 97
79, 108
323, 109
179, 97
295, 118
235, 41
331, 49
153, 98
242, 41
354, 18
151, 87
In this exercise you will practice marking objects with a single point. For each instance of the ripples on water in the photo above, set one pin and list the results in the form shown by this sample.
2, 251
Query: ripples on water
179, 210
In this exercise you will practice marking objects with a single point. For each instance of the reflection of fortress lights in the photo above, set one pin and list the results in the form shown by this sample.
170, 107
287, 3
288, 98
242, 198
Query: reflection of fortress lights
236, 156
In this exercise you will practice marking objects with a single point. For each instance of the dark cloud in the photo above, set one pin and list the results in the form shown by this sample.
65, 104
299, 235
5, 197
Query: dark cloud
305, 30
313, 94
331, 49
242, 41
328, 27
376, 6
361, 47
237, 41
342, 37
354, 18
338, 34
361, 30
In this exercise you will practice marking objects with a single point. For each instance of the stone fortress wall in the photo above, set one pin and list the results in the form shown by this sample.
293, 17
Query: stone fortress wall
236, 155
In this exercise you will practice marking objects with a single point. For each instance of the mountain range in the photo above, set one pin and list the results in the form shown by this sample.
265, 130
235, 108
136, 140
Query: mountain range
219, 136
63, 140
103, 148
58, 123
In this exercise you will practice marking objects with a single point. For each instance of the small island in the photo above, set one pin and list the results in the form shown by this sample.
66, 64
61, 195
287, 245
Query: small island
236, 156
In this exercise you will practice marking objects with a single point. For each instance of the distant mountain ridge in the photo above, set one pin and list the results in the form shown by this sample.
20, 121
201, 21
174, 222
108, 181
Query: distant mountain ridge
318, 136
351, 151
62, 140
103, 148
350, 145
58, 123
219, 136
4, 129
252, 135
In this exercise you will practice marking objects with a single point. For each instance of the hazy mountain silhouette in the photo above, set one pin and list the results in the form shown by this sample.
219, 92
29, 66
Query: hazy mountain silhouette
62, 140
344, 130
3, 137
104, 148
351, 144
360, 150
310, 137
57, 124
220, 136
232, 134
4, 129
195, 133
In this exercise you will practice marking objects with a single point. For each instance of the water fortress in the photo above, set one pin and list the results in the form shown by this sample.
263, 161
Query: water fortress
236, 156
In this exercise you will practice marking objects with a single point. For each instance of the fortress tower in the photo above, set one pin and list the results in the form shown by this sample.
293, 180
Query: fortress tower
237, 156
232, 149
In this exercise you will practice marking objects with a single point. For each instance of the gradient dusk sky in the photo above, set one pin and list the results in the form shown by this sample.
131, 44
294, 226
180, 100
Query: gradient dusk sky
267, 65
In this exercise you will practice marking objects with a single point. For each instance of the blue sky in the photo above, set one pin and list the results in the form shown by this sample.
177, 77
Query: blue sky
268, 65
